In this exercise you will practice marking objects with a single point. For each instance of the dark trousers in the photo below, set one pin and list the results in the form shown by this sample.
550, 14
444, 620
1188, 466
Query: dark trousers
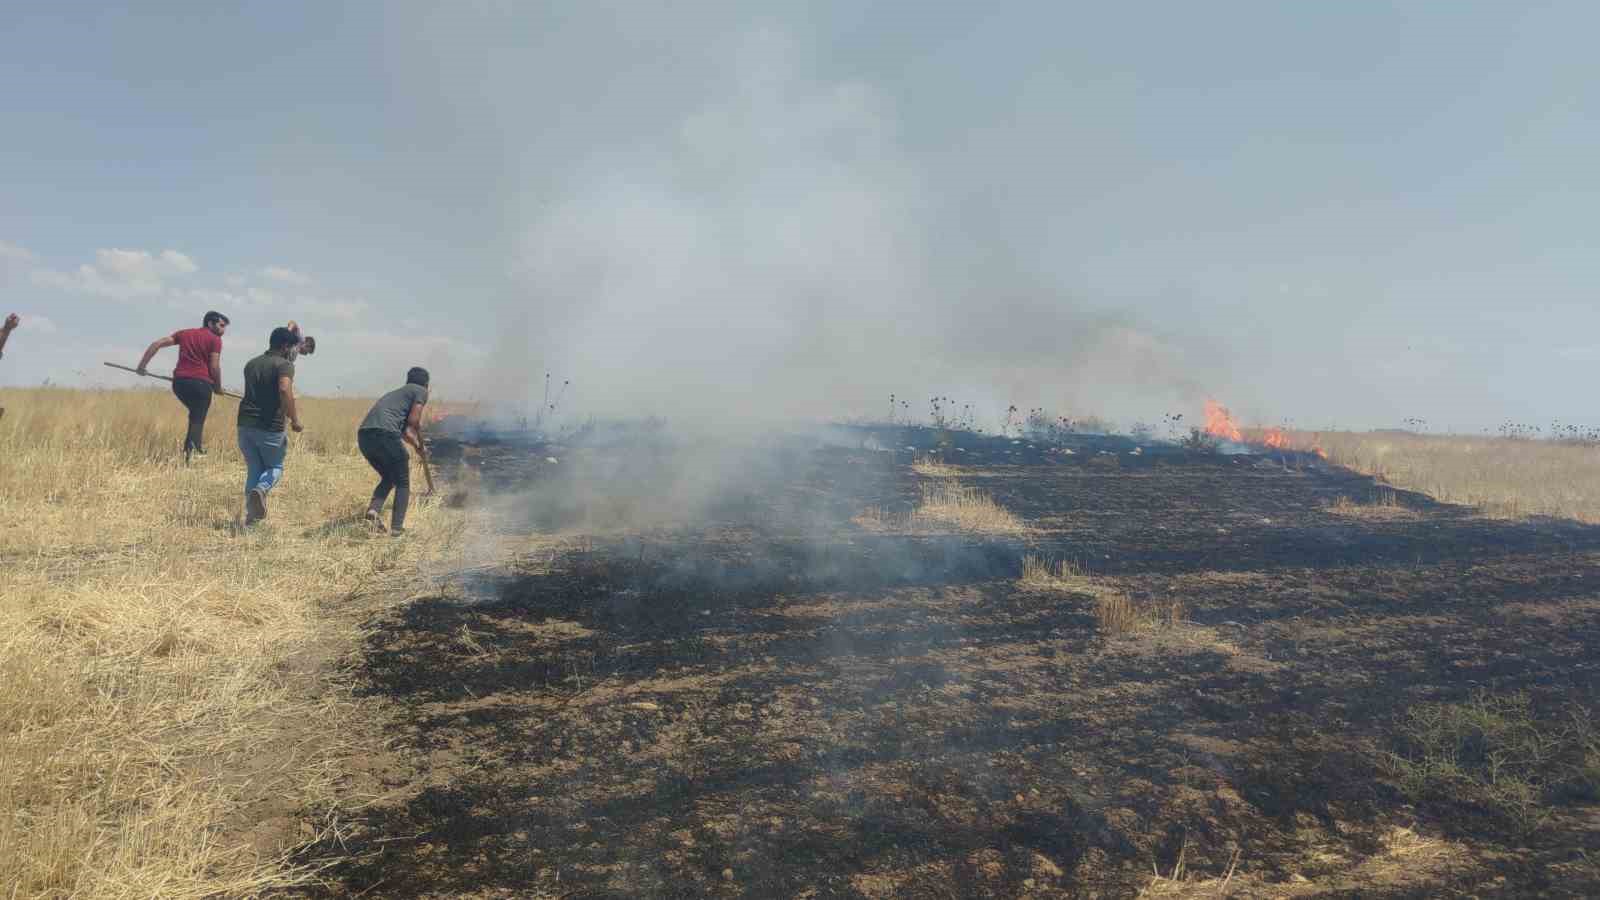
194, 393
387, 454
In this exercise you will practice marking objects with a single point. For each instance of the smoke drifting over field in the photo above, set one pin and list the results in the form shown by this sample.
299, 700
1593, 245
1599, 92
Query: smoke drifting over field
697, 211
777, 252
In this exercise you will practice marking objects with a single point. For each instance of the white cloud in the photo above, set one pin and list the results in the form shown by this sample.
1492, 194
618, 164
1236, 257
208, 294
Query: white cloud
179, 262
344, 310
120, 274
224, 300
39, 325
12, 253
391, 353
1587, 353
364, 361
286, 275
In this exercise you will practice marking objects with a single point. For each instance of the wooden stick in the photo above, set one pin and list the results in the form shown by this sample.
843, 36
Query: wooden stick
422, 453
164, 378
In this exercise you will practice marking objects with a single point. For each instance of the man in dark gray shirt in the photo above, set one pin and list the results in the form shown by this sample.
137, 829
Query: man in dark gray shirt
268, 403
394, 421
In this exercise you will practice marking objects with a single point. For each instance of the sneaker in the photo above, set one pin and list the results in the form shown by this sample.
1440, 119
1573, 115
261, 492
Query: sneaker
376, 521
255, 506
198, 451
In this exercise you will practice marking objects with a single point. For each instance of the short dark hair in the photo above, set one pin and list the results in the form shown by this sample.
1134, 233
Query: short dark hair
213, 316
282, 339
417, 375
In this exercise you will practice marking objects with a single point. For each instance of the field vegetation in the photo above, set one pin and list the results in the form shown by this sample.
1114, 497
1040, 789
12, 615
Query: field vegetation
169, 723
1115, 613
166, 721
946, 505
1493, 752
1508, 476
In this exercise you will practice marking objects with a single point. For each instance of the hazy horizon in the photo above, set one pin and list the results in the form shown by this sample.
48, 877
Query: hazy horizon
1322, 216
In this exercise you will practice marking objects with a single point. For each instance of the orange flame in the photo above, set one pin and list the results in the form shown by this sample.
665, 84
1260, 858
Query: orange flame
434, 413
1220, 424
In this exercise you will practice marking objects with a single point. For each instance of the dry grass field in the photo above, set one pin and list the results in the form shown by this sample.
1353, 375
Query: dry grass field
1502, 476
867, 678
164, 716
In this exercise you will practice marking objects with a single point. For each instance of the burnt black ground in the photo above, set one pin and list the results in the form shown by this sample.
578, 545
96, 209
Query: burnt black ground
770, 702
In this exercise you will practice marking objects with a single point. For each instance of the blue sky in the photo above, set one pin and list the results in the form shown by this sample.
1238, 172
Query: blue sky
1331, 214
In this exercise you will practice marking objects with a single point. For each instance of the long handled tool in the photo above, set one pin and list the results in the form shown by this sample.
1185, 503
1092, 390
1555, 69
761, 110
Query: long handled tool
422, 454
163, 378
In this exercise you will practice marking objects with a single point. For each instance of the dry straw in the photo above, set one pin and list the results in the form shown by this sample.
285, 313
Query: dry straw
932, 466
148, 653
1508, 477
946, 505
966, 508
1115, 613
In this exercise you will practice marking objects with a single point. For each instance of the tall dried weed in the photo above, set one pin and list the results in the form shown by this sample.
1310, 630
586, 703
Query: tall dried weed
966, 508
1115, 613
933, 467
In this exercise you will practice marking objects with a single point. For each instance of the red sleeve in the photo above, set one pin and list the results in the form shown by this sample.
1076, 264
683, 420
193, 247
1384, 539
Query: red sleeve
216, 343
175, 336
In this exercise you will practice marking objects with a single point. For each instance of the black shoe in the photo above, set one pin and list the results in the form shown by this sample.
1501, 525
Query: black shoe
255, 506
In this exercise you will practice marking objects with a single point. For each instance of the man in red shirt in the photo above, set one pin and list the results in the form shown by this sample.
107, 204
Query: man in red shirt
198, 374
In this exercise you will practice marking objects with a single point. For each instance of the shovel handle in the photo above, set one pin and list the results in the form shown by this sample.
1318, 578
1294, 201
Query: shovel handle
163, 378
422, 454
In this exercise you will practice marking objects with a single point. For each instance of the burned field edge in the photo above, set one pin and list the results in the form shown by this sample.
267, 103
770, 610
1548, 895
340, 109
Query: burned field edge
773, 702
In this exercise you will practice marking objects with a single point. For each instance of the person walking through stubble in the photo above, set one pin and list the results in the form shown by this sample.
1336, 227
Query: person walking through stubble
10, 325
198, 374
268, 402
394, 421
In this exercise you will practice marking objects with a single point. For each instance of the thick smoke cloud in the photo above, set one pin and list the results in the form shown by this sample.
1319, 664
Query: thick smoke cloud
775, 252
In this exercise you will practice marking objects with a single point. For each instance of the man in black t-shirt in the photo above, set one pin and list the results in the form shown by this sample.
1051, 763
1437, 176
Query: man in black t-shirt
395, 418
268, 403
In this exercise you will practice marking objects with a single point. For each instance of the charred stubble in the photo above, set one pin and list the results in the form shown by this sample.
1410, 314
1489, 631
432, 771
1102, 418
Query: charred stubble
764, 700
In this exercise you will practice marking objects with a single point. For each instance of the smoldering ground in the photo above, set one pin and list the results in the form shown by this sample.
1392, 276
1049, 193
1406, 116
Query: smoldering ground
754, 697
734, 553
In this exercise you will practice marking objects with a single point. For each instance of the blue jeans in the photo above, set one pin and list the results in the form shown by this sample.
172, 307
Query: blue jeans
263, 457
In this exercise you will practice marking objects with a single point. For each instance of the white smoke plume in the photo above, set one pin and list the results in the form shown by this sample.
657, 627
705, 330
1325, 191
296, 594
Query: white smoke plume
772, 255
